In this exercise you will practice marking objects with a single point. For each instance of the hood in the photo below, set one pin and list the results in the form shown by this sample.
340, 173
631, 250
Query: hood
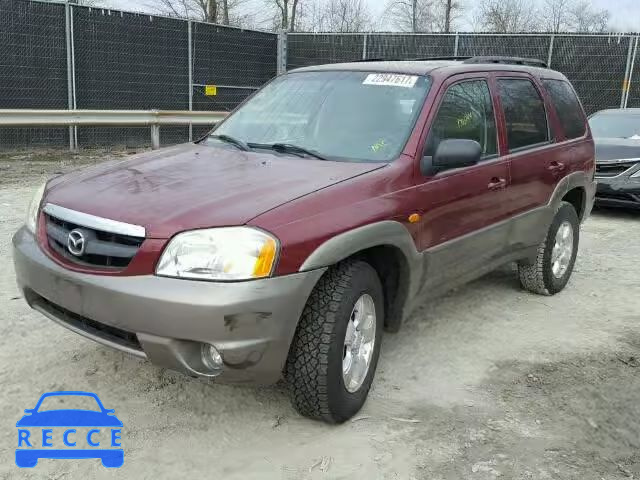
69, 418
608, 149
194, 186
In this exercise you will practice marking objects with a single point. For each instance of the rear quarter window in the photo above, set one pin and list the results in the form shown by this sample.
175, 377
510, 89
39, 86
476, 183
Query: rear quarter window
567, 106
524, 112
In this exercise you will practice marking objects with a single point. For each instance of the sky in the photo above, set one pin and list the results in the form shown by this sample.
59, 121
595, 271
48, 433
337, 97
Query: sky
625, 14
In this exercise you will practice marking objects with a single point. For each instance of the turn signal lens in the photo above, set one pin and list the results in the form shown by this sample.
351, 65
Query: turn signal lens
266, 259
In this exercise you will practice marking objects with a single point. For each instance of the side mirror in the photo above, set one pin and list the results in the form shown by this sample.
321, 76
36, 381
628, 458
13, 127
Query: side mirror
452, 153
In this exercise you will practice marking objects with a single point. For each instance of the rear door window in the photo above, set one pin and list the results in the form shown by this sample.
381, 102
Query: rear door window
567, 106
525, 115
466, 112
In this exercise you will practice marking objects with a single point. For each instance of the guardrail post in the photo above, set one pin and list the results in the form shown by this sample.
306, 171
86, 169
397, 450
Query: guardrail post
281, 60
456, 44
155, 136
550, 56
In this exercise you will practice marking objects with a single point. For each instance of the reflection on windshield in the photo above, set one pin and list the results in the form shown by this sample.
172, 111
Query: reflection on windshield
615, 125
353, 116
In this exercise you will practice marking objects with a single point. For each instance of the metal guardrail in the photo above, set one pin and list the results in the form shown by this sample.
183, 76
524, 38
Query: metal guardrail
153, 119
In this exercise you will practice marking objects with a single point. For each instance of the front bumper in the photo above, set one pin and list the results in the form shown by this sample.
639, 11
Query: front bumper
620, 191
166, 320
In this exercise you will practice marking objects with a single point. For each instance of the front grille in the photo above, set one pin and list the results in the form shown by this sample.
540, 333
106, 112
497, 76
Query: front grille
101, 330
102, 249
612, 169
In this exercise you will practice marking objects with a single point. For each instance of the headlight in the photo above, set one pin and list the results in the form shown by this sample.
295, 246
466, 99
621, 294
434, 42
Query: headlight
229, 253
34, 208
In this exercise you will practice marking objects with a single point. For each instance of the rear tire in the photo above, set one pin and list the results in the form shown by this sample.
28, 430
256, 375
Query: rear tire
316, 362
556, 255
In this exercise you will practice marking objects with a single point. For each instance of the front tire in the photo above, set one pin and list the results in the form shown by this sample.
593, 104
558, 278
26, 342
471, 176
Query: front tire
556, 255
334, 353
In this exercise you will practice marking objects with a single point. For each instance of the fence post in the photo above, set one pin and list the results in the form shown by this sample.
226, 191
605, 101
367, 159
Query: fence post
190, 61
550, 56
71, 95
281, 66
627, 85
625, 82
455, 47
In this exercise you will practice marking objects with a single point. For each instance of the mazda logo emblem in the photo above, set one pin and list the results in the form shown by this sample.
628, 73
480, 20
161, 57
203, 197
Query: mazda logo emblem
76, 243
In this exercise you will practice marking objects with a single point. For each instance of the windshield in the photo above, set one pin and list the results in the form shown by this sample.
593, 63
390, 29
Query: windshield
66, 402
615, 125
349, 116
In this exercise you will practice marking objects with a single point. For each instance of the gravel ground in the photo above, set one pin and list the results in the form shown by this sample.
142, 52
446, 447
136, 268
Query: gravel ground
487, 382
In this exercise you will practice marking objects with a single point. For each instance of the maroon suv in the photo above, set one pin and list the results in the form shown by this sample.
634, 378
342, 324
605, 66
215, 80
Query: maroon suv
313, 218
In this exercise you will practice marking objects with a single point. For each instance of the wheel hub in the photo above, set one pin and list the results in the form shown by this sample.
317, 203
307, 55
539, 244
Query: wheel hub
562, 250
359, 343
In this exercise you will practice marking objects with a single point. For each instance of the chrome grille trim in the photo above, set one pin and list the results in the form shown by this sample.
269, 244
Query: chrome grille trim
96, 223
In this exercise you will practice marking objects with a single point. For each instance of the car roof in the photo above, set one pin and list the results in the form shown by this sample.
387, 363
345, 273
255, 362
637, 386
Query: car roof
426, 67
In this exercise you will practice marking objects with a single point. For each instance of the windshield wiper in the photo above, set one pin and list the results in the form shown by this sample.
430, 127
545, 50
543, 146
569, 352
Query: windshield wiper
289, 148
233, 141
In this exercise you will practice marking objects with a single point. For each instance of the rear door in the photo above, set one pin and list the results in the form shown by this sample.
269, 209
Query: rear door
573, 126
536, 161
462, 208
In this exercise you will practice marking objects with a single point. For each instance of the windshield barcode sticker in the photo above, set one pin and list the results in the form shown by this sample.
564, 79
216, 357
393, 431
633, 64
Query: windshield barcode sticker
391, 80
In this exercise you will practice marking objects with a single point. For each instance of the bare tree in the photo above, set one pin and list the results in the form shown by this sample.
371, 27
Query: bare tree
586, 19
285, 14
451, 8
205, 10
555, 14
573, 16
505, 16
226, 12
424, 15
343, 16
86, 3
412, 15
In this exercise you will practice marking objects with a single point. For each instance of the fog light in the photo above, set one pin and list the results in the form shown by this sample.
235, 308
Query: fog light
211, 357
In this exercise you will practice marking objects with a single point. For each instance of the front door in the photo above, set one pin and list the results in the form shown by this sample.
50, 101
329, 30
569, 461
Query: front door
464, 209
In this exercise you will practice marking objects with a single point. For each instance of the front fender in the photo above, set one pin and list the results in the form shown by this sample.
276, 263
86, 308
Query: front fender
353, 241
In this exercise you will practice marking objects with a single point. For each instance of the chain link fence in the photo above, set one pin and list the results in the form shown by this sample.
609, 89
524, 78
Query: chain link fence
597, 65
59, 56
33, 67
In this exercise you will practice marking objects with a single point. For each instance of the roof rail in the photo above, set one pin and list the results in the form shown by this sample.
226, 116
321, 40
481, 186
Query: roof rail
531, 62
426, 59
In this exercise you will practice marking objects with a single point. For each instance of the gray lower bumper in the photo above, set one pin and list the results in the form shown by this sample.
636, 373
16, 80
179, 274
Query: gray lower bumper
251, 323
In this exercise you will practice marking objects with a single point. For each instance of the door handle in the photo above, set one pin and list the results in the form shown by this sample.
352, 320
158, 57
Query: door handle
497, 183
556, 166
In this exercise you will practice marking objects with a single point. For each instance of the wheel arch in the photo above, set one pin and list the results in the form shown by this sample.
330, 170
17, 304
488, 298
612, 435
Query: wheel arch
577, 197
389, 248
576, 189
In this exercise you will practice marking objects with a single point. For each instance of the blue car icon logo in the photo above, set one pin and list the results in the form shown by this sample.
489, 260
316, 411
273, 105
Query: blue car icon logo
70, 433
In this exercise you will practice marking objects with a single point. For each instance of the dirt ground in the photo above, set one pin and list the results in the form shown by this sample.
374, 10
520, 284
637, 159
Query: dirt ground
487, 382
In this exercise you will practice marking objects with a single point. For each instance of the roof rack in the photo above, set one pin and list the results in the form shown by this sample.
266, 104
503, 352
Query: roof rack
531, 62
